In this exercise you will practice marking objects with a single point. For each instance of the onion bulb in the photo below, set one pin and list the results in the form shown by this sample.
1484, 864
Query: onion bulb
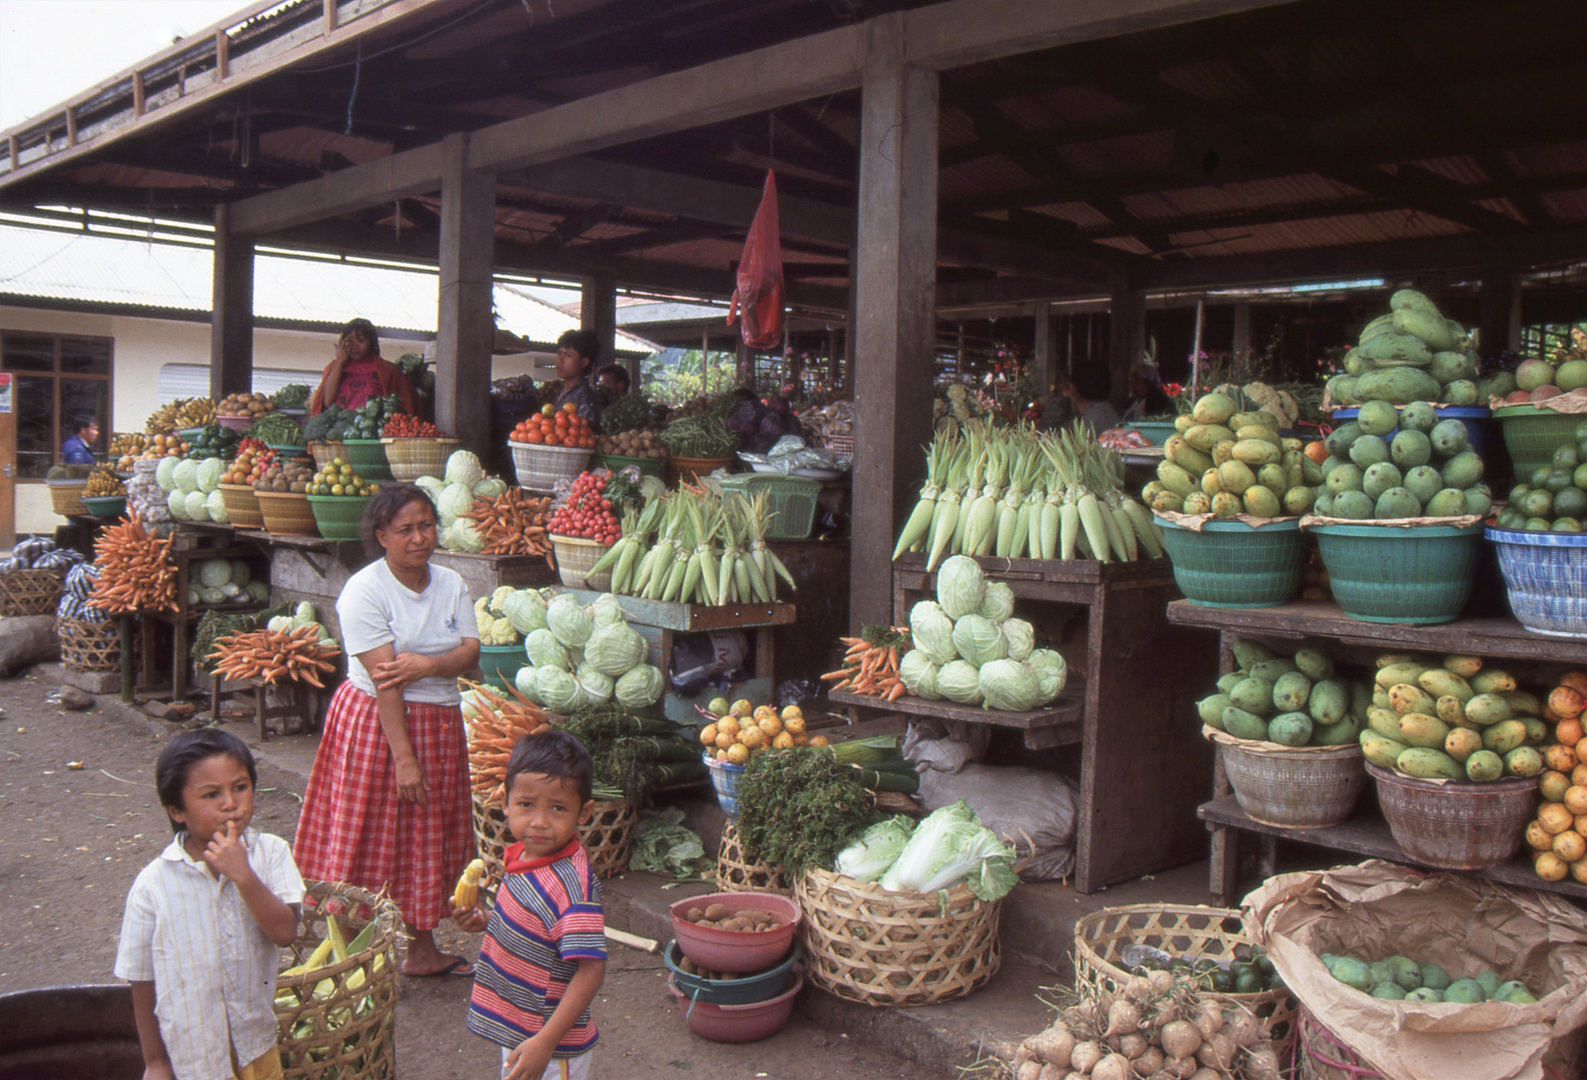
1085, 1057
1112, 1067
1180, 1039
1123, 1017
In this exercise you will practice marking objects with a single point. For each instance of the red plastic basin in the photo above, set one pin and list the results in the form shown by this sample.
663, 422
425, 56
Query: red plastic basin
734, 951
738, 1023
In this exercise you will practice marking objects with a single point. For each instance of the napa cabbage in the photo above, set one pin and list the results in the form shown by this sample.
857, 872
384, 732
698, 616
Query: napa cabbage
919, 675
958, 680
1008, 685
979, 640
614, 649
960, 586
640, 686
869, 857
949, 846
568, 620
932, 632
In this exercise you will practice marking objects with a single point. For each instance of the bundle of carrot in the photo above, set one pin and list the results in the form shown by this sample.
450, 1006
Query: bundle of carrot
135, 571
495, 724
871, 664
513, 524
300, 655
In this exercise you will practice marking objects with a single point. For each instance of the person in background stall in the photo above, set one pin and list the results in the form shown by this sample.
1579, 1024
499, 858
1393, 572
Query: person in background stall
79, 449
387, 804
576, 353
358, 372
544, 953
1087, 392
206, 920
612, 382
1147, 396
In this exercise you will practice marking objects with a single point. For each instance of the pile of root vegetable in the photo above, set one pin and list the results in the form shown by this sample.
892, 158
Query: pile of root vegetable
512, 523
1157, 1026
135, 570
272, 655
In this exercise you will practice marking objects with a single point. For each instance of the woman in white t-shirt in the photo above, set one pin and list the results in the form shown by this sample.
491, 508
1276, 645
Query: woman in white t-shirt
387, 805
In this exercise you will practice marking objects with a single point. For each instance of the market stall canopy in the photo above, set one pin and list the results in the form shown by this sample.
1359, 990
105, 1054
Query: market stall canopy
1180, 144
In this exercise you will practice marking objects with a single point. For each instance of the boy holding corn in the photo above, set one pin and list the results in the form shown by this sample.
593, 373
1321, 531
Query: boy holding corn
544, 953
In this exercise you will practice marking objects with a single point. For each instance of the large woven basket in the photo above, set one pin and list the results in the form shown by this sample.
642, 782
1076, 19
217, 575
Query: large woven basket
344, 1029
865, 944
89, 646
737, 872
1183, 930
30, 592
287, 513
242, 506
1293, 787
608, 839
66, 497
1322, 1055
539, 467
575, 556
410, 459
326, 451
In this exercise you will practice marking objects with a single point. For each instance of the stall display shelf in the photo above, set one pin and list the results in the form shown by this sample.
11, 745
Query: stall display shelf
185, 550
1060, 724
1141, 756
1365, 833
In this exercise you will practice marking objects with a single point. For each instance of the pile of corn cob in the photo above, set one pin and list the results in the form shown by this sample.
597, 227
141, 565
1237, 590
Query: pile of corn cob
1018, 493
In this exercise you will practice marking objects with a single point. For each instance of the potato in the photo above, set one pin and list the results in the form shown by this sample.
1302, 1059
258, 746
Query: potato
688, 965
717, 911
694, 914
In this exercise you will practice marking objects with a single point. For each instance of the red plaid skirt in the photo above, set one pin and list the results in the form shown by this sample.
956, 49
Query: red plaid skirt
354, 829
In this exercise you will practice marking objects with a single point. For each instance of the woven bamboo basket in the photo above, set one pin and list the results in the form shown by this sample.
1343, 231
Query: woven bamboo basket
1184, 930
348, 1031
324, 452
865, 944
66, 497
412, 458
608, 839
575, 556
89, 646
30, 592
287, 513
1322, 1055
737, 872
242, 506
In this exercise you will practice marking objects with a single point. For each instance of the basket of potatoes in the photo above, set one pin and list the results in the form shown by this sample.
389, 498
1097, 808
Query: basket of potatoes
239, 411
641, 447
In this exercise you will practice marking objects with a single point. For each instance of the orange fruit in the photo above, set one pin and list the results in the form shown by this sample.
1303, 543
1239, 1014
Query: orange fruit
1550, 867
1578, 775
724, 740
1553, 785
1555, 818
708, 735
1570, 846
1568, 732
1566, 702
1576, 680
1539, 838
1578, 870
1575, 799
771, 726
783, 741
1559, 757
1581, 824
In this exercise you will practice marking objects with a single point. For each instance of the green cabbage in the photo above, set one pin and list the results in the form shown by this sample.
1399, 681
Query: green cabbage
165, 473
213, 573
433, 485
464, 535
1009, 685
1051, 673
240, 572
558, 690
949, 846
932, 632
176, 502
979, 640
639, 687
489, 488
869, 857
525, 682
207, 475
919, 675
606, 610
596, 685
614, 649
525, 609
258, 591
959, 681
215, 507
454, 501
186, 475
210, 596
569, 621
544, 650
997, 602
960, 586
195, 507
1020, 636
463, 468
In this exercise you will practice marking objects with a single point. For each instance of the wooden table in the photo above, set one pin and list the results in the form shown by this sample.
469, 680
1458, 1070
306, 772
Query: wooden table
1059, 724
1141, 757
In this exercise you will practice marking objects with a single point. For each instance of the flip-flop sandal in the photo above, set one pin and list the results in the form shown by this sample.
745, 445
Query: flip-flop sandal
450, 969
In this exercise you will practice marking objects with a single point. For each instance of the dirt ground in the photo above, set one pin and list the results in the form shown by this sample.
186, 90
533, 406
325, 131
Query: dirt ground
73, 839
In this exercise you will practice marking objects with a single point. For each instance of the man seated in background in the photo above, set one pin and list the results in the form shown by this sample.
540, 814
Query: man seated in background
79, 449
613, 380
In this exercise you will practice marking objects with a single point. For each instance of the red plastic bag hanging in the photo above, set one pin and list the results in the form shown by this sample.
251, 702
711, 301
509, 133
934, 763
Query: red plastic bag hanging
758, 298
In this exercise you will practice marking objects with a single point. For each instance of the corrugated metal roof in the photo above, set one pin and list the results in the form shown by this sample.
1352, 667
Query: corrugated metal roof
1237, 196
51, 265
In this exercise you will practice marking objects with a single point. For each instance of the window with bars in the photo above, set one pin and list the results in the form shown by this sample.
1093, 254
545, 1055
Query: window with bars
57, 377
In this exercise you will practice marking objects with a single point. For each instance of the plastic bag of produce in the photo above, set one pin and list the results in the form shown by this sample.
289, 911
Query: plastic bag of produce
960, 586
1465, 924
932, 632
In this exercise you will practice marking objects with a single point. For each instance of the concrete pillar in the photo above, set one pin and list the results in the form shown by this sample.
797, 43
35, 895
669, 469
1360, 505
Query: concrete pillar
1043, 360
895, 293
1126, 337
466, 327
231, 320
1241, 346
598, 313
1500, 326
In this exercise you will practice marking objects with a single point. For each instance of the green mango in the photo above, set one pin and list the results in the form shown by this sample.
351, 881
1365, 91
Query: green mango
1235, 476
1341, 389
1417, 729
1461, 392
1368, 451
1407, 972
1537, 732
1489, 981
1428, 327
1450, 502
1452, 711
1351, 972
1385, 722
1412, 298
1397, 503
1342, 733
1272, 669
1383, 324
1398, 384
1290, 729
1408, 449
1522, 701
1204, 437
1462, 471
1187, 457
1388, 991
1425, 763
1524, 762
1418, 416
1211, 709
1254, 695
1434, 976
1396, 350
1424, 994
1492, 681
1484, 766
1248, 654
1514, 992
1214, 408
1356, 362
1329, 701
1175, 478
1451, 366
1228, 682
1438, 682
1424, 482
1378, 418
1380, 751
1410, 698
1398, 671
1314, 664
1360, 698
1479, 500
1487, 709
1461, 743
1338, 443
1261, 502
1291, 692
1504, 736
1244, 725
1467, 992
1449, 438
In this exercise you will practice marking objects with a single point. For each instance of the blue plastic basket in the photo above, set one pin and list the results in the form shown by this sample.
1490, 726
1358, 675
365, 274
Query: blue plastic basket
1230, 564
1478, 421
1392, 574
1545, 574
724, 781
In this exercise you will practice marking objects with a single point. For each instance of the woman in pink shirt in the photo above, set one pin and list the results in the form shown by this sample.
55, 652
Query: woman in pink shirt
358, 372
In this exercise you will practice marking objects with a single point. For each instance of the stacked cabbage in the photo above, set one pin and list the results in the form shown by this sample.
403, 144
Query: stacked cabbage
581, 655
454, 496
192, 488
968, 647
224, 581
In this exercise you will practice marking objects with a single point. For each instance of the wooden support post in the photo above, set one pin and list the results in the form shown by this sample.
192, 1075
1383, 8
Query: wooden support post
1501, 312
329, 7
1043, 362
222, 54
231, 320
851, 333
598, 312
465, 326
71, 125
1126, 337
137, 94
1241, 346
895, 294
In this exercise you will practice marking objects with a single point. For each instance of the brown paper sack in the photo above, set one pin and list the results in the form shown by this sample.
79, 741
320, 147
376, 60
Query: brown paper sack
1465, 924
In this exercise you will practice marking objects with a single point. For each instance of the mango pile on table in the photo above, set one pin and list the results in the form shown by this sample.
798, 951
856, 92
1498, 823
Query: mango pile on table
1226, 462
1392, 463
1293, 701
1411, 353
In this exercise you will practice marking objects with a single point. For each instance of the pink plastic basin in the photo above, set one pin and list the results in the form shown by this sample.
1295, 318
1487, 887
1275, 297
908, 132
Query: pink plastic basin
734, 951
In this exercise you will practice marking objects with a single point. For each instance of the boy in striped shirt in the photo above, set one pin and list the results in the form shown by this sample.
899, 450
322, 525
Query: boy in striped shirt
544, 953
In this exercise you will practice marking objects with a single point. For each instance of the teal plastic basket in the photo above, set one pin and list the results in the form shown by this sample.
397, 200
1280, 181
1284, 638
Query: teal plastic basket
1532, 435
1157, 432
1393, 574
1230, 564
500, 663
791, 501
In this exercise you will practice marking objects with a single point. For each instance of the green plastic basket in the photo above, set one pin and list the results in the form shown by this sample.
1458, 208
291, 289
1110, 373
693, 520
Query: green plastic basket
500, 663
791, 501
1157, 432
1532, 435
656, 467
1393, 574
368, 459
1230, 564
338, 516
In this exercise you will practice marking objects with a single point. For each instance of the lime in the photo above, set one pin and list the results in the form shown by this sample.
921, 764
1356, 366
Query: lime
1566, 457
1537, 524
1579, 477
1558, 480
1540, 476
1517, 493
1566, 524
1537, 503
1570, 502
1512, 519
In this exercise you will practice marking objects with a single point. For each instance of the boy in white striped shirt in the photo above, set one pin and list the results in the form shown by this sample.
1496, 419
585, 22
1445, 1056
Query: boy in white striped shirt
205, 921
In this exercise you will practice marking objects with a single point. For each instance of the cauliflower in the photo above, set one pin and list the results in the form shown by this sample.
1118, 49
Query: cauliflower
493, 630
498, 598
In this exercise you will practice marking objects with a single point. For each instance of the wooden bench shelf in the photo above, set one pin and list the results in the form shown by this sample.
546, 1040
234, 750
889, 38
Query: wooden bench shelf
1058, 725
